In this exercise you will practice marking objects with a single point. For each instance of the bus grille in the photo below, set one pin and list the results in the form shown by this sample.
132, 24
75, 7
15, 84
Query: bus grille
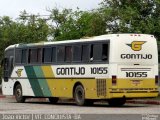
101, 87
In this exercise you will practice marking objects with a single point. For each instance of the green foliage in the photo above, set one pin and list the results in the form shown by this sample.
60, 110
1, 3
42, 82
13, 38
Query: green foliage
131, 16
69, 24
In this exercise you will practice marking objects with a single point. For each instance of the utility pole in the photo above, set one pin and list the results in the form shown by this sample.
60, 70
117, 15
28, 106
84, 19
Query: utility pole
34, 17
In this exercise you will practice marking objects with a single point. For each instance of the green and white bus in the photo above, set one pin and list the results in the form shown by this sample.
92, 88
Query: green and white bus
112, 67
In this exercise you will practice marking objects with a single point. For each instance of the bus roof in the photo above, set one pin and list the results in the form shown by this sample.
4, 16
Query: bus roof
87, 39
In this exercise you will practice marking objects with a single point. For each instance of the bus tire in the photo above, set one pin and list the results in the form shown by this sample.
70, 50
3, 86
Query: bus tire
79, 95
117, 102
19, 94
53, 100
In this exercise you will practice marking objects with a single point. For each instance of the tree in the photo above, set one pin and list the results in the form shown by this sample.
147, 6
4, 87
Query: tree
69, 24
35, 28
129, 15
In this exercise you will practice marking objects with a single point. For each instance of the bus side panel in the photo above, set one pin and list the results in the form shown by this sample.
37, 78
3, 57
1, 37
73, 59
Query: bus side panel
41, 81
64, 87
7, 87
60, 87
19, 76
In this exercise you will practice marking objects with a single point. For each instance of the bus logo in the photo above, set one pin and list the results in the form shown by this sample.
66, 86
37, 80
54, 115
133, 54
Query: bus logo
19, 72
136, 45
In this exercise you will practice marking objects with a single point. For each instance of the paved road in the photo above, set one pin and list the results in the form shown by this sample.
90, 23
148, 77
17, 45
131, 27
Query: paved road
9, 106
71, 108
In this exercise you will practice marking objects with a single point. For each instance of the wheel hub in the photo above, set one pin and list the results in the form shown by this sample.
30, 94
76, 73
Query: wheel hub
18, 92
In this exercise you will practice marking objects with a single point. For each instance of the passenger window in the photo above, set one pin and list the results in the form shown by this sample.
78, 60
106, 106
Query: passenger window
60, 53
39, 55
47, 52
35, 55
105, 52
85, 53
21, 56
68, 53
18, 55
77, 50
97, 52
32, 56
24, 55
54, 56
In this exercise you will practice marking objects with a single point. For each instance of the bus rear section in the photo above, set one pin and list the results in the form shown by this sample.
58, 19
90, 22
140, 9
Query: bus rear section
135, 67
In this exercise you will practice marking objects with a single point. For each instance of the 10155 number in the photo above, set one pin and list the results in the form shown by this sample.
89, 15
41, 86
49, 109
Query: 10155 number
136, 74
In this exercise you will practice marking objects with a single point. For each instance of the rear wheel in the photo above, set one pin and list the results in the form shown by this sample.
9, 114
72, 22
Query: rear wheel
53, 100
117, 101
79, 95
19, 94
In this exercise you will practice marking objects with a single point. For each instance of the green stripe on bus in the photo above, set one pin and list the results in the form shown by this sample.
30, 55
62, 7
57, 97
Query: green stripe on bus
42, 82
33, 81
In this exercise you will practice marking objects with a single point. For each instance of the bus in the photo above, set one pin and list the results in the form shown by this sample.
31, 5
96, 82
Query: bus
112, 68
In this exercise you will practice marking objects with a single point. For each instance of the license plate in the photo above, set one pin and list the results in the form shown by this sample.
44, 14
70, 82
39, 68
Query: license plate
136, 82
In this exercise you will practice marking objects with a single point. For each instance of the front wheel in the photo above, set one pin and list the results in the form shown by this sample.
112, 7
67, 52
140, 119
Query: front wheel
19, 94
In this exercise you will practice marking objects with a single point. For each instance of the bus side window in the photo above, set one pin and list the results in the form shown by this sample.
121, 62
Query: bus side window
32, 57
21, 56
35, 55
47, 52
39, 55
68, 53
85, 53
104, 52
24, 55
97, 52
18, 56
54, 56
77, 51
60, 53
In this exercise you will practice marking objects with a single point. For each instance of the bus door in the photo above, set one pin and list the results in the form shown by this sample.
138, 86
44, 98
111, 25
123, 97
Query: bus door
7, 68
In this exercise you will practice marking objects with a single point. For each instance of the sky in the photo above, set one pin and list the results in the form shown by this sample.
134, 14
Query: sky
13, 8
